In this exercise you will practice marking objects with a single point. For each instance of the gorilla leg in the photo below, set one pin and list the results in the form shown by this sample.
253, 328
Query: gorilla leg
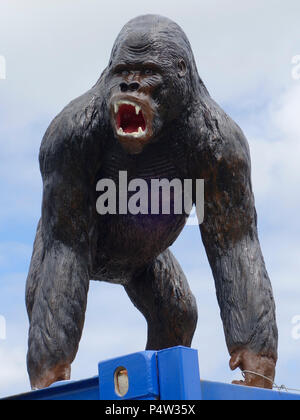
162, 294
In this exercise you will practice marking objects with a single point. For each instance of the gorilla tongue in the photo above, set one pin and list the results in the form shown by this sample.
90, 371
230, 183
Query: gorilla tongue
128, 120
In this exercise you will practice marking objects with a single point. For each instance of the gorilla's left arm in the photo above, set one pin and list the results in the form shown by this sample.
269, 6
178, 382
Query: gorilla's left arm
229, 232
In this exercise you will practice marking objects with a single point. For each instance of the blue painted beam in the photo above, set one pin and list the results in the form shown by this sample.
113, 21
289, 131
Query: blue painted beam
178, 372
215, 391
141, 373
85, 390
171, 374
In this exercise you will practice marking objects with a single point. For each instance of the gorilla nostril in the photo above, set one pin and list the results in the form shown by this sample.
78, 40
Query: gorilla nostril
123, 87
134, 86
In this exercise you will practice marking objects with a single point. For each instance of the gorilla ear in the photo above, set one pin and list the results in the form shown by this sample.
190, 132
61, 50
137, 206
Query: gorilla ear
182, 69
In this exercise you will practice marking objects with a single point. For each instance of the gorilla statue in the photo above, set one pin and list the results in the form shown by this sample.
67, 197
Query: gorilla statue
151, 116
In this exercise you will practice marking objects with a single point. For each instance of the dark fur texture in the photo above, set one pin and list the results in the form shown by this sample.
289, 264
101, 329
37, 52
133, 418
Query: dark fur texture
191, 138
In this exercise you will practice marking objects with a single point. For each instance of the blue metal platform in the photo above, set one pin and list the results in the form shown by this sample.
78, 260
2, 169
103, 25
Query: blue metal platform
170, 375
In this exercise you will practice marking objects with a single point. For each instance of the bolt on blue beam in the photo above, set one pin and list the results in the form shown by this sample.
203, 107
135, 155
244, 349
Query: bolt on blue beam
132, 377
178, 372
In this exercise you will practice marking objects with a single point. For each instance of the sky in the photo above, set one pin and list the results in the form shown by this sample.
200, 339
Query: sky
247, 53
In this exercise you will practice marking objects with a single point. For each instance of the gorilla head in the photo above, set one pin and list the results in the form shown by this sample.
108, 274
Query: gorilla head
151, 76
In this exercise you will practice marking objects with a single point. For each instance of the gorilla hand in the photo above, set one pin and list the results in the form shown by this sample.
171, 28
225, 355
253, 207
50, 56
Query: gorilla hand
263, 367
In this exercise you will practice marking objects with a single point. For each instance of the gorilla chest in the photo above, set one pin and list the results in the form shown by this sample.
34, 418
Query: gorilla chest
140, 207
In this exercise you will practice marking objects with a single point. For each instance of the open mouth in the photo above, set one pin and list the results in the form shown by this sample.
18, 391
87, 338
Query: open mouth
129, 119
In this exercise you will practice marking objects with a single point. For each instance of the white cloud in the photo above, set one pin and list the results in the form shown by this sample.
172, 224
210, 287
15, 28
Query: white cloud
275, 158
57, 50
13, 378
10, 252
13, 374
113, 328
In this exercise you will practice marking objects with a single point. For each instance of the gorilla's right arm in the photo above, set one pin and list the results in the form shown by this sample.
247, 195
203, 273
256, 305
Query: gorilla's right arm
58, 280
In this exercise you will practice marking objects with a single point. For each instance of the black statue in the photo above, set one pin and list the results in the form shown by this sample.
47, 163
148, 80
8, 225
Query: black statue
149, 114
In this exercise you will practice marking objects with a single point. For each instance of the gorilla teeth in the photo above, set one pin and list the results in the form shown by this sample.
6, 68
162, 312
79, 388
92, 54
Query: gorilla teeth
135, 134
118, 104
129, 120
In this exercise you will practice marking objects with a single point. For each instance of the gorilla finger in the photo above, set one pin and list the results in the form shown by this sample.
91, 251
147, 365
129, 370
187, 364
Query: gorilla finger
235, 361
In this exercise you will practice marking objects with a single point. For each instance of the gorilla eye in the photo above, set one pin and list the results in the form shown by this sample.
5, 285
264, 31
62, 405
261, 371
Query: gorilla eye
148, 72
125, 73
